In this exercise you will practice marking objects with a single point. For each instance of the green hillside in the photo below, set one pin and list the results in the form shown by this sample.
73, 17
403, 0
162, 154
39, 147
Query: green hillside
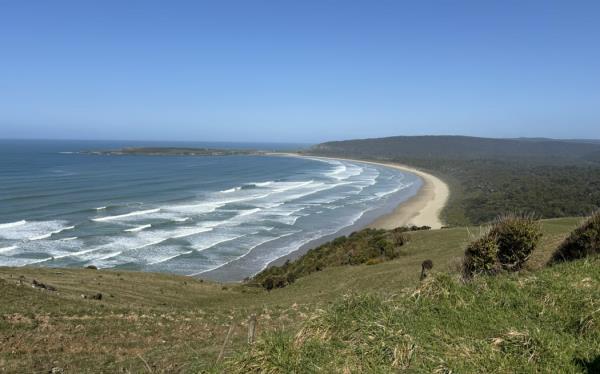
542, 151
165, 323
542, 322
487, 177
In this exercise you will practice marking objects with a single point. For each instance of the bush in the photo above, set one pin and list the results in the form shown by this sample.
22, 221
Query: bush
273, 282
507, 245
481, 256
582, 242
516, 236
368, 245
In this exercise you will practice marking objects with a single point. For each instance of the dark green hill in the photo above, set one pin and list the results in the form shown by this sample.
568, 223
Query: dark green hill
551, 178
543, 151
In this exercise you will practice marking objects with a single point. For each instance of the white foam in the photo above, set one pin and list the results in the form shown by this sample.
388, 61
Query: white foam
138, 228
184, 219
100, 208
249, 212
286, 186
191, 232
68, 239
343, 170
240, 188
385, 193
131, 214
12, 224
32, 230
216, 241
264, 184
47, 235
21, 261
267, 240
165, 259
110, 255
124, 244
6, 249
78, 253
231, 190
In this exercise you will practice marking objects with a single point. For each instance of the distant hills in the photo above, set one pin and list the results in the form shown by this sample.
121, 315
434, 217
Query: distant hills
545, 151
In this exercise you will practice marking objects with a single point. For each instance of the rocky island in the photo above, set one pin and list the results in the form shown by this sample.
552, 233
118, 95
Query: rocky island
175, 151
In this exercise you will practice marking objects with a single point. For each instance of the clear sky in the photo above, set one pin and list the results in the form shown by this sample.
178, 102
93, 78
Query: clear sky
298, 71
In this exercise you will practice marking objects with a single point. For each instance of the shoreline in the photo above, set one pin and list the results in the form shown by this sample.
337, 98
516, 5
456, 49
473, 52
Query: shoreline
422, 209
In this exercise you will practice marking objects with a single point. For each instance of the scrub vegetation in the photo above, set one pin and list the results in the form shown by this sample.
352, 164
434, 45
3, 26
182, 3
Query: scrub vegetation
368, 246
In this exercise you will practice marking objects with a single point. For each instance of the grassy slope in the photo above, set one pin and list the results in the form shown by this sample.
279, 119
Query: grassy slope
546, 321
175, 323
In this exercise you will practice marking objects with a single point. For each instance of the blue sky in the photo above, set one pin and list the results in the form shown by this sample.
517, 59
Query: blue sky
298, 71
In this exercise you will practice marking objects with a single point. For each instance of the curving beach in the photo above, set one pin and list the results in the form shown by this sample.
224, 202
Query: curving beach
423, 209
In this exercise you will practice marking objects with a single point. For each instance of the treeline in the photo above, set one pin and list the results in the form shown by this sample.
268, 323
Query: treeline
483, 189
491, 176
542, 151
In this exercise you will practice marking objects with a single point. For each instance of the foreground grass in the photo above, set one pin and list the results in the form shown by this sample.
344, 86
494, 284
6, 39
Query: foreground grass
169, 323
544, 321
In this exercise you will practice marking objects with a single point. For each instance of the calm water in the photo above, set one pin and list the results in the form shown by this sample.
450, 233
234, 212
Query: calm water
185, 215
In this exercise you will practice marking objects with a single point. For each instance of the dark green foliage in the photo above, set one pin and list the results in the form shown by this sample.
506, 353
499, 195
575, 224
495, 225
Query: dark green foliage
516, 236
491, 176
461, 148
507, 245
481, 256
583, 242
484, 188
366, 246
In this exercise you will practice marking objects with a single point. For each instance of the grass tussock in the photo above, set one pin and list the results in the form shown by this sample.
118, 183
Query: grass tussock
493, 324
582, 242
507, 245
517, 236
481, 256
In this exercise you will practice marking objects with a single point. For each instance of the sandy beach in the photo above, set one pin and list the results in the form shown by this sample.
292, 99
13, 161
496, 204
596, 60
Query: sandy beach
423, 209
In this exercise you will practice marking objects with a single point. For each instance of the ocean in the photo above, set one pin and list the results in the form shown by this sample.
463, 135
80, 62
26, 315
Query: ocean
223, 217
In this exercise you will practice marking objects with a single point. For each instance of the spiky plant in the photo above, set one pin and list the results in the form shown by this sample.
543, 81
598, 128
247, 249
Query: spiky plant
481, 256
517, 235
584, 241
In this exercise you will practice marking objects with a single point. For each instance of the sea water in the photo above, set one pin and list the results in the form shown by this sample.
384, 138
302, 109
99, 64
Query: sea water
225, 216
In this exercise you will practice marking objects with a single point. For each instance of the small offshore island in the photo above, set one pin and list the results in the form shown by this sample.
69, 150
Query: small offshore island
174, 151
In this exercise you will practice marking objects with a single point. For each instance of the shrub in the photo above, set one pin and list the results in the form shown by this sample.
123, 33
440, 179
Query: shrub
399, 238
273, 282
481, 256
517, 236
368, 245
582, 242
